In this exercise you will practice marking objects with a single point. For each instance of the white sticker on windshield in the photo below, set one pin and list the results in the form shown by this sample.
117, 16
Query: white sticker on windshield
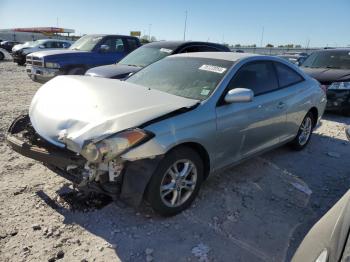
212, 68
165, 50
205, 92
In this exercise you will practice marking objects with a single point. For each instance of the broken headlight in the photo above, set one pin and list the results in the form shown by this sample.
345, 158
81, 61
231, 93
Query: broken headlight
115, 145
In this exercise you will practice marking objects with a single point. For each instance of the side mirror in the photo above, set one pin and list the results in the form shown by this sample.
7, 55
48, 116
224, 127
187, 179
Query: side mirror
104, 48
41, 46
239, 95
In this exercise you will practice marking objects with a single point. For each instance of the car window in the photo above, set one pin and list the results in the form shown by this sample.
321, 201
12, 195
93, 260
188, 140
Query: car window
203, 48
114, 45
286, 75
132, 43
144, 56
258, 76
328, 59
48, 44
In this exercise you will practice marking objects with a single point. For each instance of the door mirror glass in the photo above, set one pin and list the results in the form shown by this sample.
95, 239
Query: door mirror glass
239, 95
104, 48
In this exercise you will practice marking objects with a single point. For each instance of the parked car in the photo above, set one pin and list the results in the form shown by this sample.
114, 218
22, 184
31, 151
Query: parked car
87, 52
150, 53
329, 239
19, 54
8, 45
163, 130
295, 57
331, 67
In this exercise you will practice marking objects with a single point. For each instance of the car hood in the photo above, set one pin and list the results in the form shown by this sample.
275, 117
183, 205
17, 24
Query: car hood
327, 75
112, 71
61, 51
71, 110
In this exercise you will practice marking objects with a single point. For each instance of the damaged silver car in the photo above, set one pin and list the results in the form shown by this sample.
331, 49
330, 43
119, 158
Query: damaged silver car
159, 134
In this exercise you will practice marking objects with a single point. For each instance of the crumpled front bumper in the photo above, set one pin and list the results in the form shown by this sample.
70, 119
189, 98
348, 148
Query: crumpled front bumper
136, 174
18, 138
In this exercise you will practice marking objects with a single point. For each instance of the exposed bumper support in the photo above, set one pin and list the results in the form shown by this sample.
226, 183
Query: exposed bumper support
49, 154
135, 176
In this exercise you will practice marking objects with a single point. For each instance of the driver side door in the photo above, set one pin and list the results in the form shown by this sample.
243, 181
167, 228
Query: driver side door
246, 128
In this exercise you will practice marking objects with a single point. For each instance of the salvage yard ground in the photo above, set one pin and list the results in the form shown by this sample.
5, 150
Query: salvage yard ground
257, 211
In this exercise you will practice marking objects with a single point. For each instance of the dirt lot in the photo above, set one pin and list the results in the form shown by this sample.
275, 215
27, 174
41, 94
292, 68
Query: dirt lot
257, 211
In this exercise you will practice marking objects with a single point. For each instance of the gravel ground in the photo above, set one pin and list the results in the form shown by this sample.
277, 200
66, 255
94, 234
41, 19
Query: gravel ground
257, 211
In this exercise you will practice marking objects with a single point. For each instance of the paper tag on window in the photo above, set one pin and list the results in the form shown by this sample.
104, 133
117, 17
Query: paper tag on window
212, 68
165, 50
205, 92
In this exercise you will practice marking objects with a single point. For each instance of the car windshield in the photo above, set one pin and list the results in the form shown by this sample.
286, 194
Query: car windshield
189, 77
32, 43
329, 59
144, 56
86, 43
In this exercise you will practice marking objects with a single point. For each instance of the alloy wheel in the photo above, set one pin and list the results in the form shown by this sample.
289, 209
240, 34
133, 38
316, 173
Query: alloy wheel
306, 129
178, 183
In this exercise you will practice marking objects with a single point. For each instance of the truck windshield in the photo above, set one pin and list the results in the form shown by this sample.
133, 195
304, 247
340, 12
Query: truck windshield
144, 56
189, 77
86, 43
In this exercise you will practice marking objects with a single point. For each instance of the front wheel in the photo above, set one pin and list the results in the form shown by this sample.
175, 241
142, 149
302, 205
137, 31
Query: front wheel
176, 181
304, 133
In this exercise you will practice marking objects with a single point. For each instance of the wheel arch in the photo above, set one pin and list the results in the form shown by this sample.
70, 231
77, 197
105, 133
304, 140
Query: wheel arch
314, 112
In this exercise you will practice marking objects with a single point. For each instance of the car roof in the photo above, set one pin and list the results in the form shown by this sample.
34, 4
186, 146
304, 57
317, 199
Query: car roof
103, 35
176, 44
229, 56
58, 40
333, 50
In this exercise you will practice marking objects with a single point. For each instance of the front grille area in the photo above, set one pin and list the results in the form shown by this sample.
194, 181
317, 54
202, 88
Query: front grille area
33, 60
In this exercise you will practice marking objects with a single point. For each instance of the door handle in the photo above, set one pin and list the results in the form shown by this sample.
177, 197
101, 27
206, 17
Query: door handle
281, 105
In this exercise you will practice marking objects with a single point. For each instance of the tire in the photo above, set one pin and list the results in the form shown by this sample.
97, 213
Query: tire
304, 132
76, 71
171, 185
2, 56
20, 63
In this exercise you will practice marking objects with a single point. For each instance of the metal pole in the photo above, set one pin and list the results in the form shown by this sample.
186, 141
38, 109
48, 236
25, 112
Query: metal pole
262, 37
185, 25
149, 32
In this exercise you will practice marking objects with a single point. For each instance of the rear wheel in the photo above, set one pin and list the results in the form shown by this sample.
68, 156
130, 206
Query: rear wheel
304, 133
176, 182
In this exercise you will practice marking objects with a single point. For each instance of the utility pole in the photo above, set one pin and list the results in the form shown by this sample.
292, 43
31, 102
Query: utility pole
57, 21
185, 25
262, 37
149, 32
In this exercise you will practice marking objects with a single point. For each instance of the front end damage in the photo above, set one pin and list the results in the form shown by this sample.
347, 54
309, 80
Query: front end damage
118, 178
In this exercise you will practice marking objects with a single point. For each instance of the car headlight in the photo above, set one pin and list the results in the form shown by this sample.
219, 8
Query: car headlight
340, 86
52, 65
115, 145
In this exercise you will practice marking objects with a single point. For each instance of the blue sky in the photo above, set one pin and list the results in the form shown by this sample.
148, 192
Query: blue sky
322, 22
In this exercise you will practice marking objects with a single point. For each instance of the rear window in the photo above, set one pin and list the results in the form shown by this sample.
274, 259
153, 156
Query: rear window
328, 59
286, 75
